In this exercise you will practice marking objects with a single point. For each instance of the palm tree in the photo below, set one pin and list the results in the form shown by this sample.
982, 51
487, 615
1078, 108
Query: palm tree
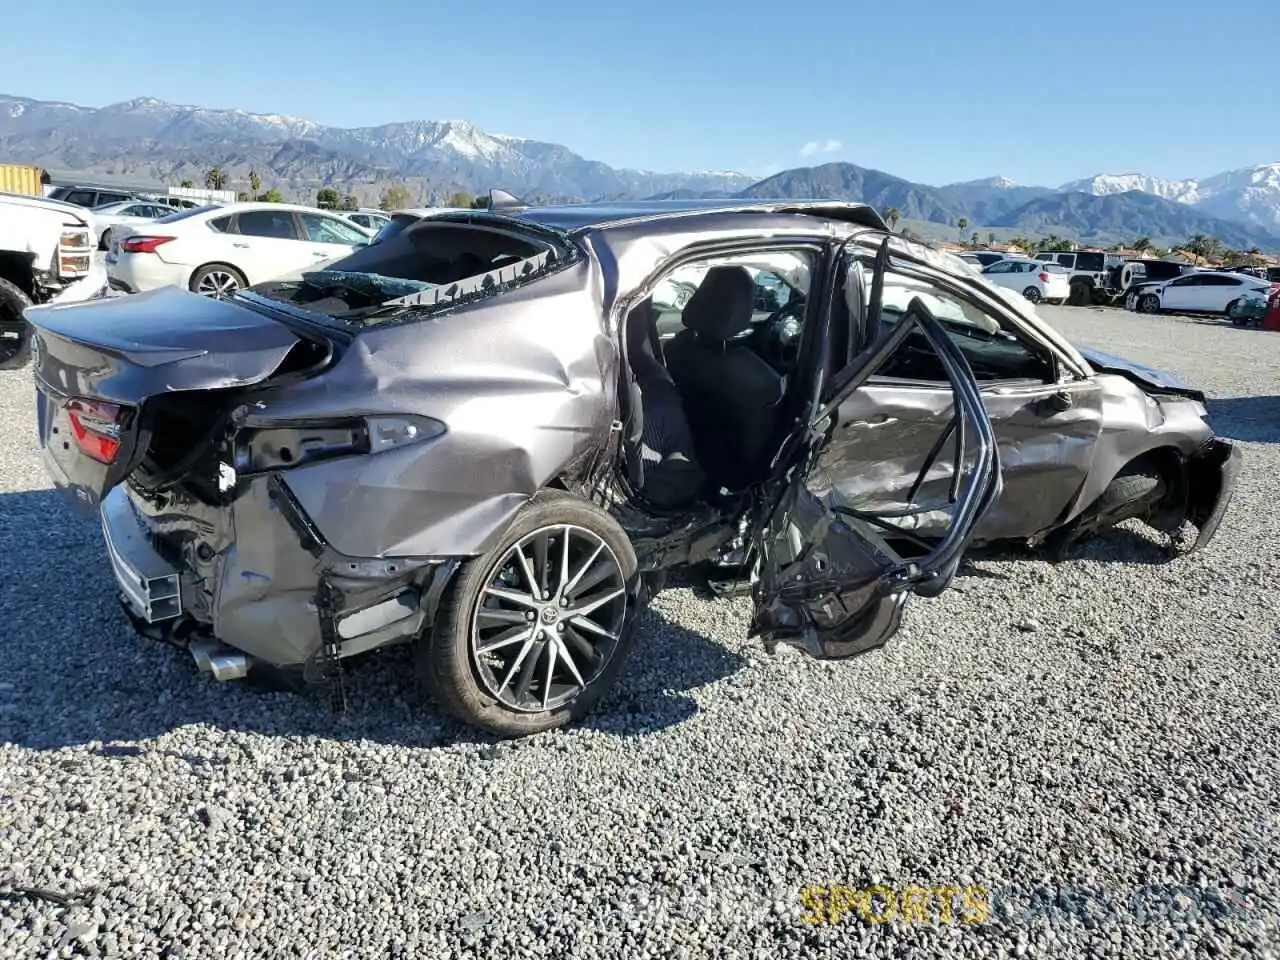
1203, 247
186, 184
891, 216
215, 179
1141, 245
963, 225
255, 184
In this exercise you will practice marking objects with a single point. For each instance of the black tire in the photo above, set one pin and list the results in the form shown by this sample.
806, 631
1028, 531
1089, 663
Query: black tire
1032, 294
210, 278
15, 334
464, 680
1148, 303
104, 242
1230, 306
1133, 492
1081, 295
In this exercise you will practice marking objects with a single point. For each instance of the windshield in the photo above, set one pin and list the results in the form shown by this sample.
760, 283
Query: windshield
426, 265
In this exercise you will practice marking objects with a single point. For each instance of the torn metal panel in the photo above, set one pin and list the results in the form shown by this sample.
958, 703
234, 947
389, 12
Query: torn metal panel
1134, 424
1046, 436
530, 406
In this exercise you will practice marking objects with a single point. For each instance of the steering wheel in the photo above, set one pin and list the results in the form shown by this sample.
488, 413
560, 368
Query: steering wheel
779, 337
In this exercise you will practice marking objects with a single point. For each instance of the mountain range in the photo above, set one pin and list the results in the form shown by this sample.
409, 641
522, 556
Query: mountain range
151, 138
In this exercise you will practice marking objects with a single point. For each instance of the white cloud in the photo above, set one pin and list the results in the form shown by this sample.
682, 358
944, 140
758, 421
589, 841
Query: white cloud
820, 146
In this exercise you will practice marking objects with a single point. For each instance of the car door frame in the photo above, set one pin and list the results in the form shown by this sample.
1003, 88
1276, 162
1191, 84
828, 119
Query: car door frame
1214, 302
340, 250
251, 265
1047, 430
991, 271
1183, 286
824, 580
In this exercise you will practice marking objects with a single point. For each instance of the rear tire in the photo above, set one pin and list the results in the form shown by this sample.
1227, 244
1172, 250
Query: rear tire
15, 334
104, 242
1148, 303
1032, 294
217, 280
486, 658
1080, 296
1231, 306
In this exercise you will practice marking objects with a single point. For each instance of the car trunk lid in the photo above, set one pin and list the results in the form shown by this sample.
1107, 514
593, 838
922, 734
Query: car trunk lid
104, 369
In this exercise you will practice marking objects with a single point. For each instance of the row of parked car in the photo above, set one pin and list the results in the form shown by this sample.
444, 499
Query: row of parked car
1143, 285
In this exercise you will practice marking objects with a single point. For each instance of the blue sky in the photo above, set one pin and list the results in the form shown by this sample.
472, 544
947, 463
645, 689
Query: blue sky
932, 91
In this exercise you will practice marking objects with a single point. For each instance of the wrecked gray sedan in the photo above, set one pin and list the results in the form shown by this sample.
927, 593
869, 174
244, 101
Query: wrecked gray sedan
490, 434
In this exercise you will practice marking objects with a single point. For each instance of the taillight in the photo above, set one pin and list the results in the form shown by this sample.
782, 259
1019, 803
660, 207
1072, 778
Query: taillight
142, 244
1044, 278
95, 426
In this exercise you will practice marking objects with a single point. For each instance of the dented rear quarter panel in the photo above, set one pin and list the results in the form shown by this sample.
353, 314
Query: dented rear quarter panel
524, 386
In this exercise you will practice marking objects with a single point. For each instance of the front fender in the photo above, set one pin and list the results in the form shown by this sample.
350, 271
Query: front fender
1135, 425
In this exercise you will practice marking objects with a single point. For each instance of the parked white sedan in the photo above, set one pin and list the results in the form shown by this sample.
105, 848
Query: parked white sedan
1033, 279
215, 251
128, 212
1205, 291
370, 221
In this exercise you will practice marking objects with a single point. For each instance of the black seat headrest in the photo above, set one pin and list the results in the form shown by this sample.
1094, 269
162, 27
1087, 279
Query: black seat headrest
642, 339
720, 308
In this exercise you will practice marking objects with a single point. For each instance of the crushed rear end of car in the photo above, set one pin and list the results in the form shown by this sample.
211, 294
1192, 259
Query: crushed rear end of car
270, 492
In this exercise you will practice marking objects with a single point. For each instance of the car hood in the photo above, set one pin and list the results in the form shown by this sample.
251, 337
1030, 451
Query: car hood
1146, 377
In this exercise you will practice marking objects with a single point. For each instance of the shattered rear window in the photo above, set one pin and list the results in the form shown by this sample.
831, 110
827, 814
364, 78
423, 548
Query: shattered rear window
428, 267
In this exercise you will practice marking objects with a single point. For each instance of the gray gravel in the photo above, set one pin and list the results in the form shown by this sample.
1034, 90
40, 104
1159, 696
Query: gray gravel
1107, 726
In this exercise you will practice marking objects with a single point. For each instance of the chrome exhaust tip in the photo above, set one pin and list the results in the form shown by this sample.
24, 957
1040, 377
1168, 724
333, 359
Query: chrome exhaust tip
217, 659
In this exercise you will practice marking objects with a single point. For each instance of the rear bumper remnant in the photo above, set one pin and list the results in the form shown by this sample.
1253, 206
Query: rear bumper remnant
149, 585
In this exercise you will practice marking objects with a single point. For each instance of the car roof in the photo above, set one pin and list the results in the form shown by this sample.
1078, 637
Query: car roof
249, 206
579, 217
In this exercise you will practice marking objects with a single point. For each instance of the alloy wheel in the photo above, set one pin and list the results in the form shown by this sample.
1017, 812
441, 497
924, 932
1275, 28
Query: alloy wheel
217, 283
549, 618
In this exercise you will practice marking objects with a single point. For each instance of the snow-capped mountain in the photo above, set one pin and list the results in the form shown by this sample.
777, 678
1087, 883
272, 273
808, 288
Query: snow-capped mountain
150, 137
1107, 184
1251, 195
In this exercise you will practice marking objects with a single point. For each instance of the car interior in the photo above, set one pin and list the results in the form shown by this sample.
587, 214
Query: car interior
425, 255
994, 352
713, 348
711, 352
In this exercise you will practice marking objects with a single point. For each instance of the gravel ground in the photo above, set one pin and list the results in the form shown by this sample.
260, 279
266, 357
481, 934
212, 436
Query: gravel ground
1103, 728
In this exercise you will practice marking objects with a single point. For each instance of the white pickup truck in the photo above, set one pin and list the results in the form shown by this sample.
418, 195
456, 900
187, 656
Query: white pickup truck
46, 255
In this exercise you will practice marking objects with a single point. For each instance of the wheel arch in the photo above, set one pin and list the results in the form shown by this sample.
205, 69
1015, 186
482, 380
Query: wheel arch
1164, 460
17, 268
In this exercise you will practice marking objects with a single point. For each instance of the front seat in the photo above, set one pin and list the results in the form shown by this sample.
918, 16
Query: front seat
671, 474
731, 395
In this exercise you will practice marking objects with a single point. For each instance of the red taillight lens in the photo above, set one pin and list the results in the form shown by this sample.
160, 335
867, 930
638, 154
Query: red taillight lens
1044, 278
95, 425
142, 244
